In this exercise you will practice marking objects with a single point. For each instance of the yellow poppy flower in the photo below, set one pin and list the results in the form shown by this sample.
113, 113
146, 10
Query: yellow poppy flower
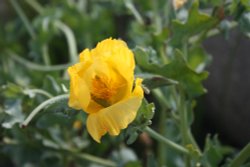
102, 84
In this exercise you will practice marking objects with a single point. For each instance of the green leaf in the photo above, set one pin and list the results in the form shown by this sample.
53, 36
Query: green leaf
196, 23
14, 110
142, 120
154, 81
214, 152
244, 23
246, 3
133, 135
145, 112
11, 90
56, 114
133, 164
177, 69
198, 59
213, 2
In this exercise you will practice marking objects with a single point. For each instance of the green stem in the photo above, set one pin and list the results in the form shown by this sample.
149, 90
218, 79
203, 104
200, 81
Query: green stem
70, 40
162, 124
45, 48
168, 7
34, 66
164, 140
162, 54
45, 53
35, 5
194, 143
184, 128
38, 91
157, 18
96, 159
185, 50
241, 157
71, 152
23, 18
81, 5
38, 8
43, 105
129, 4
89, 157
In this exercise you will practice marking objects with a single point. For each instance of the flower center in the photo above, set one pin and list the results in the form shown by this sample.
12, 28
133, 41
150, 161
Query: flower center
102, 91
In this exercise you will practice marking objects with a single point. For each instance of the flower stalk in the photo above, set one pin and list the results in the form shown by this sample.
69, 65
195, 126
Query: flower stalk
166, 141
129, 4
42, 106
34, 66
38, 91
95, 159
70, 40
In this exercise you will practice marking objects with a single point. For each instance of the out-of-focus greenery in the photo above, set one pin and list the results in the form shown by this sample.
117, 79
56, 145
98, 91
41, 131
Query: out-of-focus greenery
44, 38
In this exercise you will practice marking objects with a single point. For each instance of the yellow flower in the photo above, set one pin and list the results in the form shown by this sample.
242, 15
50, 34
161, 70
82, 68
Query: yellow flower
102, 84
178, 3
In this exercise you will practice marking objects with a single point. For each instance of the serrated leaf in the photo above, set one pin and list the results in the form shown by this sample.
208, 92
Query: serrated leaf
142, 56
177, 69
146, 111
196, 23
214, 152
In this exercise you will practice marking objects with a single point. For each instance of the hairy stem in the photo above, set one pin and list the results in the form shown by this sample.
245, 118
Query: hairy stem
166, 141
70, 40
97, 160
162, 124
35, 5
43, 105
184, 128
129, 4
34, 66
38, 91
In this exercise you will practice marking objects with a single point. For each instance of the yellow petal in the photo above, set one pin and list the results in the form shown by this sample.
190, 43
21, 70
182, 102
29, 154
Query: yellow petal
116, 117
85, 55
79, 91
119, 115
95, 127
138, 91
93, 107
117, 55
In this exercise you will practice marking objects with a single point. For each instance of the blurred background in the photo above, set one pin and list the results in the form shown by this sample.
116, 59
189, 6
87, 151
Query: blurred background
33, 35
